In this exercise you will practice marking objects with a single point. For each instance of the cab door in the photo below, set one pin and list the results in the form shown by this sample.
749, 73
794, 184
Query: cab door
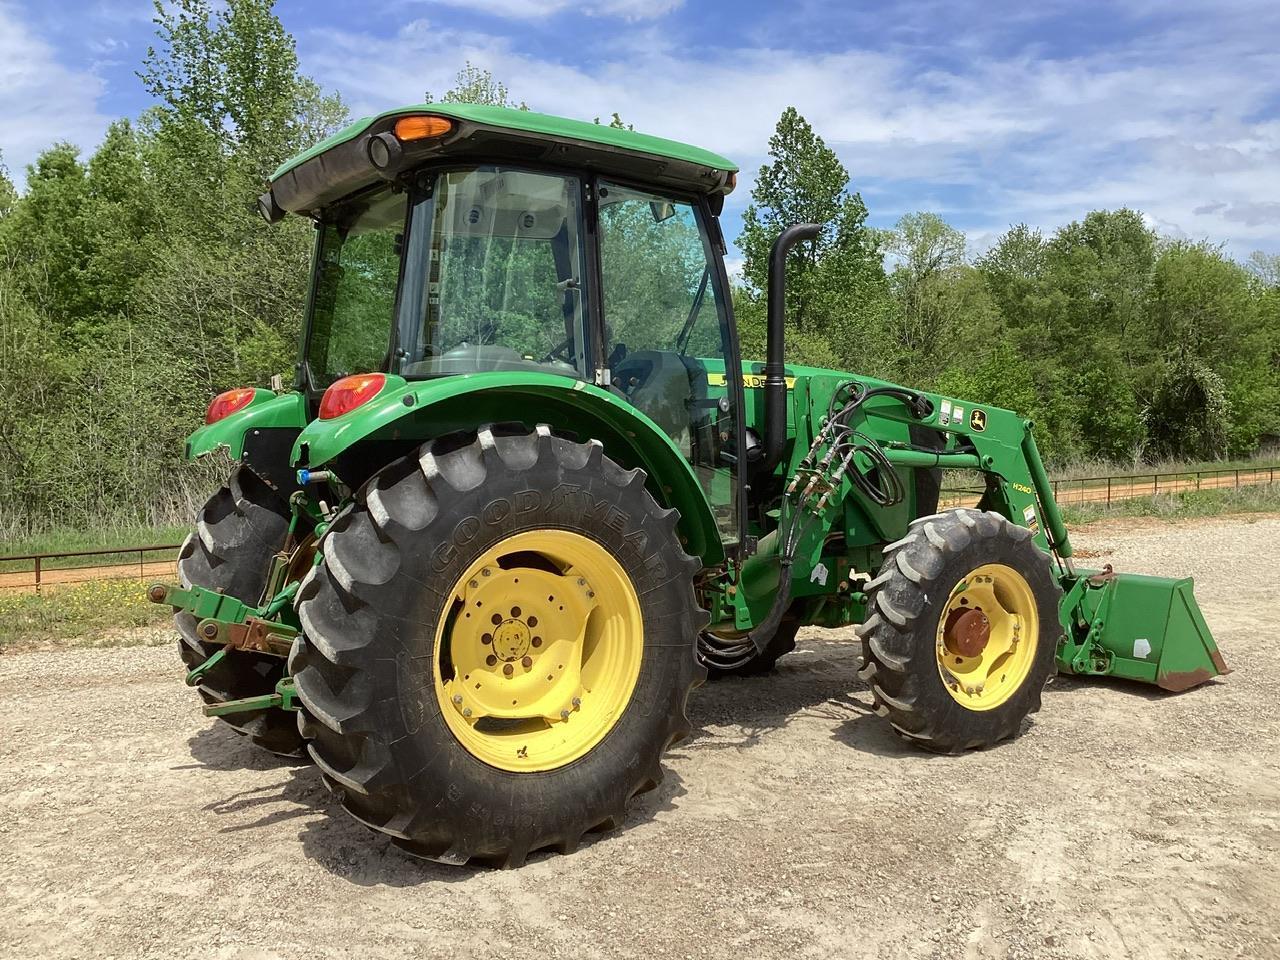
667, 334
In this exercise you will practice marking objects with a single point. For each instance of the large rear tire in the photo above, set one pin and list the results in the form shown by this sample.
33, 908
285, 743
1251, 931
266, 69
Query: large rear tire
238, 531
498, 646
961, 632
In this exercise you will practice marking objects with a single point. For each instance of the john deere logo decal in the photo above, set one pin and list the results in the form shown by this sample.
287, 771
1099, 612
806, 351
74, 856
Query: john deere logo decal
977, 421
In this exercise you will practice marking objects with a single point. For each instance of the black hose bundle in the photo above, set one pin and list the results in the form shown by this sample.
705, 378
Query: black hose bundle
879, 482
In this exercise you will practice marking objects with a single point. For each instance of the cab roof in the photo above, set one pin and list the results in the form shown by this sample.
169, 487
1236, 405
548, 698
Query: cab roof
339, 165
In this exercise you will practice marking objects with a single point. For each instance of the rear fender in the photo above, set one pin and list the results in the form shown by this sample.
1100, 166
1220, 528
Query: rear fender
261, 435
408, 412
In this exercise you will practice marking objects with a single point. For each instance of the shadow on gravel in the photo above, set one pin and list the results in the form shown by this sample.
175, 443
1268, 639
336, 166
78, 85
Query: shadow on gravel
818, 680
219, 747
1065, 683
342, 845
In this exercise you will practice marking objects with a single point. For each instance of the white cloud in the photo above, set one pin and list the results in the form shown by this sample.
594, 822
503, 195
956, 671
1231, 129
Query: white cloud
1168, 123
538, 9
41, 101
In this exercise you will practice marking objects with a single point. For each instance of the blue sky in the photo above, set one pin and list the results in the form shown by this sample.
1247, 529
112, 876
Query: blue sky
988, 113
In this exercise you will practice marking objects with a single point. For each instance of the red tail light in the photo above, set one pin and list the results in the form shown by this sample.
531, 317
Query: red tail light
346, 394
225, 404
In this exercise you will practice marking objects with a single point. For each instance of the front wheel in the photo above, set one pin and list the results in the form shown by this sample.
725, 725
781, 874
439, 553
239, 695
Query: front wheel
498, 646
961, 632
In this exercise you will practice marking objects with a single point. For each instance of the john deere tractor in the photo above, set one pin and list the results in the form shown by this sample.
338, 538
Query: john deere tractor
525, 494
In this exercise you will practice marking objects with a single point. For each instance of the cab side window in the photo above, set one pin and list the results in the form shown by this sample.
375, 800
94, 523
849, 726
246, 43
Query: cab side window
666, 331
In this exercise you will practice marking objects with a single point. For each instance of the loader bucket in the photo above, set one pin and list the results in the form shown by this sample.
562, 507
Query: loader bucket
1141, 628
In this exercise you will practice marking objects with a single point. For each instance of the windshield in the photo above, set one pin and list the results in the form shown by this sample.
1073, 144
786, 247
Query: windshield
353, 301
494, 275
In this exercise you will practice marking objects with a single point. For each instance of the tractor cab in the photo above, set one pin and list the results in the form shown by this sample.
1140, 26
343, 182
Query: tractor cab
479, 240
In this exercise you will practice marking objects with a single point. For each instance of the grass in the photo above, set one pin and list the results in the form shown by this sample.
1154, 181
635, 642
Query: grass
99, 613
1259, 498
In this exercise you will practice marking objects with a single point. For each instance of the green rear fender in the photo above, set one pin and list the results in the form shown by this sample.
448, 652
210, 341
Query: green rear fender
422, 409
265, 410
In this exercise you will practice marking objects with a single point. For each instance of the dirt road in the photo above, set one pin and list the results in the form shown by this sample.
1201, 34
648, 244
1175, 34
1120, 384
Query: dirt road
1123, 823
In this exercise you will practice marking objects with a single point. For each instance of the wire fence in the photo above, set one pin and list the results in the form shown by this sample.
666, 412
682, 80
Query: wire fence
1105, 491
41, 571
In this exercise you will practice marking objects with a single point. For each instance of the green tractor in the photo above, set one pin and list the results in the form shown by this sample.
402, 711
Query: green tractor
526, 494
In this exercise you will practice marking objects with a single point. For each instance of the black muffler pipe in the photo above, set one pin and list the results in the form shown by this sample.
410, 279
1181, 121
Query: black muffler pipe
775, 378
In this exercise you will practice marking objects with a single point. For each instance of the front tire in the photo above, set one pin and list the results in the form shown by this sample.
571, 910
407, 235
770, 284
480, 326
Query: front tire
435, 586
961, 632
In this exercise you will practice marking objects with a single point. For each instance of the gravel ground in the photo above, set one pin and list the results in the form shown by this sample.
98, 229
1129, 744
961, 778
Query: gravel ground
1124, 823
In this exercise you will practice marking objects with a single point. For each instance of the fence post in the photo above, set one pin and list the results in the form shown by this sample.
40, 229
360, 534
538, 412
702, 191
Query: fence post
1108, 493
1155, 484
37, 574
1237, 478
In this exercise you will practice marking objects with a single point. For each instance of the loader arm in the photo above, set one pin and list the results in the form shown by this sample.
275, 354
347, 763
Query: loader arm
1137, 627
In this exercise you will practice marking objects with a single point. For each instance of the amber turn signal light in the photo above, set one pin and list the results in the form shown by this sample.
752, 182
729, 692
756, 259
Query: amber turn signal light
420, 128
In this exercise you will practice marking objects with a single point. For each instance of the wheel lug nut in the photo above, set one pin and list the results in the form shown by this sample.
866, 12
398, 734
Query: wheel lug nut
457, 698
508, 670
466, 712
527, 662
577, 702
486, 638
537, 641
564, 714
490, 660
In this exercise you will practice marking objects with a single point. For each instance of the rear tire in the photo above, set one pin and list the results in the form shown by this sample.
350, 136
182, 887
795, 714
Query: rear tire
383, 622
238, 531
904, 651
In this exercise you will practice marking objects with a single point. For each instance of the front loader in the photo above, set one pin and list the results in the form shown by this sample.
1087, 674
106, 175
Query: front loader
525, 494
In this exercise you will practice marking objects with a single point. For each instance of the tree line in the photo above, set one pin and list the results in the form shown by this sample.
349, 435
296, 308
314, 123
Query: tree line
138, 281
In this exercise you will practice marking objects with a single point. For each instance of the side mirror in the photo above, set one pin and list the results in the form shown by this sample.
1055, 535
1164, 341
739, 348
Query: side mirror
662, 210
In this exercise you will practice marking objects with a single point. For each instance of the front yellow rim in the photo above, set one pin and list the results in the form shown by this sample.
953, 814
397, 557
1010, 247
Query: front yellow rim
538, 651
987, 636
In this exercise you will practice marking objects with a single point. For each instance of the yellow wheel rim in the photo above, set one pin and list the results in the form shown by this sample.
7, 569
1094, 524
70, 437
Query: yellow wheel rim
538, 651
987, 636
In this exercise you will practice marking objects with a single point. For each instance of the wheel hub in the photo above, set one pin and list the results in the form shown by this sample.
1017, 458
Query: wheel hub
539, 650
987, 636
967, 632
511, 640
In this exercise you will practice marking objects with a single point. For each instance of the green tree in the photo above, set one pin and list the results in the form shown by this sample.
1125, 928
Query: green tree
836, 284
1215, 388
1266, 267
936, 297
474, 84
47, 238
8, 195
